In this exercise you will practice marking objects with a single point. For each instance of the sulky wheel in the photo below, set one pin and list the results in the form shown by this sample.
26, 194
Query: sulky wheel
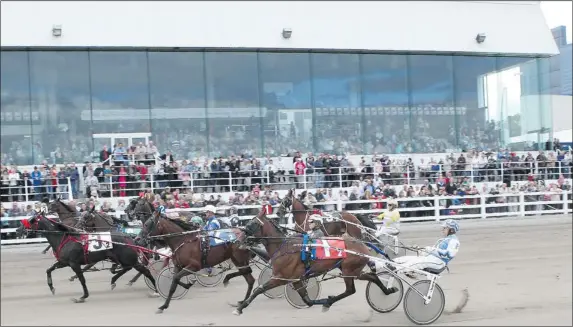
264, 277
163, 282
211, 277
293, 298
381, 302
415, 307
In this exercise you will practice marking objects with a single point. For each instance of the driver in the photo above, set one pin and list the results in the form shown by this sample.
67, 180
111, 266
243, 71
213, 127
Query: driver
212, 222
438, 256
390, 219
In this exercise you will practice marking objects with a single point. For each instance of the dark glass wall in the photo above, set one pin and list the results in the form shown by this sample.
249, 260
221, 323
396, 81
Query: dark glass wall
198, 104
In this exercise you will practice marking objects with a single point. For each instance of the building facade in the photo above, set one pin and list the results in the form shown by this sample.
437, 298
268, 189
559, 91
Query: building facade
201, 81
561, 65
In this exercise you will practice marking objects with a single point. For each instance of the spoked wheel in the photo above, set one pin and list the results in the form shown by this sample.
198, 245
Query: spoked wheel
414, 305
264, 277
164, 279
211, 277
381, 302
154, 268
293, 298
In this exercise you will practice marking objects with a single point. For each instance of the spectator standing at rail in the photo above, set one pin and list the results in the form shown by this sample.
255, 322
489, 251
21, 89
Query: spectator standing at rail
36, 176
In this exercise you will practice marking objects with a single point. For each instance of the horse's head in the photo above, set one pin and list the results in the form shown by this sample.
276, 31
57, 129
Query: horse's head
286, 204
261, 226
30, 224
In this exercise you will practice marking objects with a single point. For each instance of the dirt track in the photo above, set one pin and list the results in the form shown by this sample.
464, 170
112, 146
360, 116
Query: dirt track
517, 272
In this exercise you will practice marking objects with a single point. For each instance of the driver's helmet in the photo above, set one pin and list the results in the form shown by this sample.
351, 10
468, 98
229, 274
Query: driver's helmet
160, 210
452, 225
393, 203
210, 208
233, 209
235, 221
196, 220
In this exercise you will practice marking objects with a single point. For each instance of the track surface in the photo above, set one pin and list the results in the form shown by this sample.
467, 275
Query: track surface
517, 272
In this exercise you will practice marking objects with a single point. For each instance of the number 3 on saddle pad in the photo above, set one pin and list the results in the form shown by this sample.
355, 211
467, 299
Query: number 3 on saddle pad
329, 249
221, 236
99, 241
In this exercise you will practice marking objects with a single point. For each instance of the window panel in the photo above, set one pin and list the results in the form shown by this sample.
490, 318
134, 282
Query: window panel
385, 99
474, 131
286, 96
61, 96
432, 104
178, 115
337, 103
233, 104
15, 114
120, 93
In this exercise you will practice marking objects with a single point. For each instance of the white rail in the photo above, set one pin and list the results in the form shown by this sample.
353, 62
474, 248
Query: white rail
481, 206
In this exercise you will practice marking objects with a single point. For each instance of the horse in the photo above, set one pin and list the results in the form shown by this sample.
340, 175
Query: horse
66, 214
73, 251
141, 208
302, 214
192, 251
288, 263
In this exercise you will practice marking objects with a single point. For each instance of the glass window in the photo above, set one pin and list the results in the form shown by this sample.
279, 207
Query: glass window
286, 102
177, 90
15, 115
61, 97
233, 112
385, 99
337, 103
515, 102
432, 104
474, 130
120, 93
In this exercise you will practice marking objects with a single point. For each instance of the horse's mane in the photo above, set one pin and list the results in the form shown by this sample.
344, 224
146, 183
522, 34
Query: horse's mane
67, 206
186, 226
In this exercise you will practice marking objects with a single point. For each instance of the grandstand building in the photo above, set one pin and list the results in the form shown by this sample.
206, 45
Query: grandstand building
267, 78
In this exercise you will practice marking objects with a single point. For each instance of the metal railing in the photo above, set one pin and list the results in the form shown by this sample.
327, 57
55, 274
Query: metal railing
411, 209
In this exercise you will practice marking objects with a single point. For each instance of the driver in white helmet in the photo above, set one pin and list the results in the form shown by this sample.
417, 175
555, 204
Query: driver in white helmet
390, 220
437, 256
212, 222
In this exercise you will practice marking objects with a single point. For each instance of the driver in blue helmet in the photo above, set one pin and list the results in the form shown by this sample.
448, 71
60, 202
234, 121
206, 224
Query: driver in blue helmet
212, 223
160, 210
437, 256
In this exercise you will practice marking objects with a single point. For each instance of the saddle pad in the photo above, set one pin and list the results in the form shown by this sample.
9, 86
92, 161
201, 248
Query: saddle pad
323, 249
221, 236
327, 249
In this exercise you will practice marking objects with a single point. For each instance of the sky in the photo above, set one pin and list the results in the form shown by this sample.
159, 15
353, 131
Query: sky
558, 13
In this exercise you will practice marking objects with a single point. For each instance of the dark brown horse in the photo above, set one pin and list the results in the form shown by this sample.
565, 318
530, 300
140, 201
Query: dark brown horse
190, 253
73, 251
66, 214
302, 214
288, 265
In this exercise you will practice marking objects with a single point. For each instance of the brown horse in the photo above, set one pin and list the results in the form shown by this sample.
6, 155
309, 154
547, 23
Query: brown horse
191, 252
288, 265
302, 214
66, 214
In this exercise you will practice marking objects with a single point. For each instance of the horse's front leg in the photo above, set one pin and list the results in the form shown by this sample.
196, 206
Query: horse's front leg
46, 249
56, 265
195, 266
259, 290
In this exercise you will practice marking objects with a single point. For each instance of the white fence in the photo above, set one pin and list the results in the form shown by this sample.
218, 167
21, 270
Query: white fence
206, 181
411, 209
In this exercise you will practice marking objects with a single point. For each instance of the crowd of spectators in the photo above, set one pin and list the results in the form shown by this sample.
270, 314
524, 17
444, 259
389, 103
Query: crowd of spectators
127, 172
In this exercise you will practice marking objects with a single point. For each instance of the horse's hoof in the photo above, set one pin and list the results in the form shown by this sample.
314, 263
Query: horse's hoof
236, 305
225, 284
325, 308
44, 252
159, 311
53, 291
237, 312
153, 295
392, 290
71, 279
113, 286
130, 284
80, 300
